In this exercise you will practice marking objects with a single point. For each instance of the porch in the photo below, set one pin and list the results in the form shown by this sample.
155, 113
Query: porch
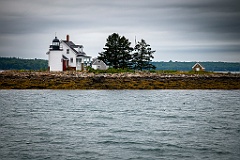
82, 62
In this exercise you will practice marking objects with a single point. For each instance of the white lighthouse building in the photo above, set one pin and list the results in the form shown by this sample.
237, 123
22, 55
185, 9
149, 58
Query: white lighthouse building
65, 55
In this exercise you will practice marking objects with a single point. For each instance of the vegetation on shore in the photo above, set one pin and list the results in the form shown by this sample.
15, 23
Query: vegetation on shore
126, 80
14, 63
119, 54
119, 70
130, 68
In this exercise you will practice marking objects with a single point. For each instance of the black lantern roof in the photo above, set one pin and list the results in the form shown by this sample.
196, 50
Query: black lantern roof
55, 40
55, 44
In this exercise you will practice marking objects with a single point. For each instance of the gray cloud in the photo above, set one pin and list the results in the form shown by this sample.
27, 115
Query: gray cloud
213, 24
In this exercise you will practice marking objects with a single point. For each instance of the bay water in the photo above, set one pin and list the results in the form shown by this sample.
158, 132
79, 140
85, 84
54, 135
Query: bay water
119, 124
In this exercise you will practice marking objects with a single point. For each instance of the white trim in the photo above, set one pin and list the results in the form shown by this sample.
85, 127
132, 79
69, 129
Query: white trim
198, 64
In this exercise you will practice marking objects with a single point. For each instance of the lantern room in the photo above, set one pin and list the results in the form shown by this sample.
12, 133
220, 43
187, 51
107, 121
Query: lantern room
55, 44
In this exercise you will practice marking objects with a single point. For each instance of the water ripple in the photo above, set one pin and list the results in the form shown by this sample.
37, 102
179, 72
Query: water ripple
121, 124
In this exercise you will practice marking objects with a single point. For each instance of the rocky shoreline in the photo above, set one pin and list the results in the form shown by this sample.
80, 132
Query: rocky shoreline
141, 80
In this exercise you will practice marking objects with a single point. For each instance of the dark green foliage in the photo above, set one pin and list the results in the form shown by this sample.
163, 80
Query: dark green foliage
143, 56
124, 53
187, 66
13, 63
117, 52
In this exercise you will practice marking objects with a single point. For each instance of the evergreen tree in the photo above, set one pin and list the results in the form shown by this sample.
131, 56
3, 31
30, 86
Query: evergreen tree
124, 53
143, 56
117, 52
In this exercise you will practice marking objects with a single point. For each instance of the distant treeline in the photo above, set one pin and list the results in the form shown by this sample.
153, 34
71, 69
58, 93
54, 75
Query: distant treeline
187, 66
13, 63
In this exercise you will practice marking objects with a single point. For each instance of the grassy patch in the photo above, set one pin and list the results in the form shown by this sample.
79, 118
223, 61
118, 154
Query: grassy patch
110, 70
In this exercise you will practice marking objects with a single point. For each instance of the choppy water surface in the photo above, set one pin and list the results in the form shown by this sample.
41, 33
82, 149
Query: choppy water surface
126, 124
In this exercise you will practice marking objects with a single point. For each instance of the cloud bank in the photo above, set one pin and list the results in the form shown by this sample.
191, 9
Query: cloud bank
182, 30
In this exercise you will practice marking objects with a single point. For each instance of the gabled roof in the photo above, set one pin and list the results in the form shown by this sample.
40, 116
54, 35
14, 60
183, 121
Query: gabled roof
98, 62
73, 46
199, 65
69, 43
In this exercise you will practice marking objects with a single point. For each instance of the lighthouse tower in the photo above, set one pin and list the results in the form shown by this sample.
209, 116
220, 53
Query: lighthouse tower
55, 56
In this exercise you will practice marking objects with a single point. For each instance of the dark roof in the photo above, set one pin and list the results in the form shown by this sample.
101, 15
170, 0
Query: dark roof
81, 54
73, 46
64, 57
56, 40
69, 43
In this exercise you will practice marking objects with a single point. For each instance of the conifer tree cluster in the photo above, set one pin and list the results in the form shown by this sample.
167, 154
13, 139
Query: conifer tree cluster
119, 54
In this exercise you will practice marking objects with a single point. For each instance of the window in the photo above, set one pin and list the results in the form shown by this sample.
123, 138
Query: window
67, 51
55, 43
71, 60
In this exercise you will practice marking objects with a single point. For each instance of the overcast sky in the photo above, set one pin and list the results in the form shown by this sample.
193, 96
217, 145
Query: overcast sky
179, 30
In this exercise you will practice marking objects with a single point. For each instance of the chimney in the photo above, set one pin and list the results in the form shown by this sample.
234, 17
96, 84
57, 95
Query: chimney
67, 38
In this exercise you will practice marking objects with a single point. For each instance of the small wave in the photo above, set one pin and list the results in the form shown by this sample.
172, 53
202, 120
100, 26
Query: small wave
158, 150
104, 117
126, 131
111, 142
